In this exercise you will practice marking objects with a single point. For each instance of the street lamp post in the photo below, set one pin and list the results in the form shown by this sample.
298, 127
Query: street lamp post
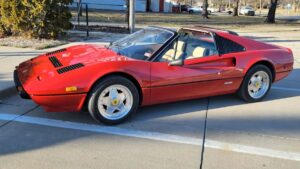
131, 15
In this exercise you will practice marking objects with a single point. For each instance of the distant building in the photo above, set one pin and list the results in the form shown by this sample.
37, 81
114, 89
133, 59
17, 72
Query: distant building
141, 5
159, 5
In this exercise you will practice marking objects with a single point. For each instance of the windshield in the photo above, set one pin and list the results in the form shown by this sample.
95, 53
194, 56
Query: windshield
142, 44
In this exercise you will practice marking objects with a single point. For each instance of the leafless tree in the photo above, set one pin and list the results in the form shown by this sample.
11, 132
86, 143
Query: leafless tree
236, 8
272, 11
204, 9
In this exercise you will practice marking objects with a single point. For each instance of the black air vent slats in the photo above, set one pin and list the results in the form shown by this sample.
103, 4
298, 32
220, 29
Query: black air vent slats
69, 68
57, 51
55, 61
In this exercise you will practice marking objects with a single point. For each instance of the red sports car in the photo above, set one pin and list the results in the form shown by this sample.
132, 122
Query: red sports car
151, 66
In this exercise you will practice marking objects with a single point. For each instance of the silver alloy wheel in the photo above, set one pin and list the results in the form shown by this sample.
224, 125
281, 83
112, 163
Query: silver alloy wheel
115, 102
258, 84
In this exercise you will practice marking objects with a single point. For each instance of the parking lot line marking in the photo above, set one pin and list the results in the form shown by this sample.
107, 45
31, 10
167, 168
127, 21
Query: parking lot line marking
154, 136
285, 88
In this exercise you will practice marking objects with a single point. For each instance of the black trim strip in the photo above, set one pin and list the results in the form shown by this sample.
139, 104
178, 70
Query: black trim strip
196, 82
23, 94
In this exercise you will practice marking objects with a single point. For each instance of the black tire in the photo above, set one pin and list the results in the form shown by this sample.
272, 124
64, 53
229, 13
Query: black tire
191, 11
243, 90
103, 84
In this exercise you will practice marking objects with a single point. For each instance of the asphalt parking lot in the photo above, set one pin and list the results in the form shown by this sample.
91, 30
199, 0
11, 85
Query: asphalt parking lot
238, 135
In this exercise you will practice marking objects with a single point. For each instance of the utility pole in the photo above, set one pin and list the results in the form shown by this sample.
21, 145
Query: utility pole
131, 15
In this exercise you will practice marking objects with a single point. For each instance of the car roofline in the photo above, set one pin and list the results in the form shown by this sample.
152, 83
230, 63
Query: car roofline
210, 29
162, 28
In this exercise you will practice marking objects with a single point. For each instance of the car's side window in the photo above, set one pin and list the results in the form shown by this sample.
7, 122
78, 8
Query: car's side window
200, 44
227, 46
189, 45
174, 51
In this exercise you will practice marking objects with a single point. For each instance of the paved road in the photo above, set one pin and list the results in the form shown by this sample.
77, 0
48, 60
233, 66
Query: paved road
289, 18
238, 135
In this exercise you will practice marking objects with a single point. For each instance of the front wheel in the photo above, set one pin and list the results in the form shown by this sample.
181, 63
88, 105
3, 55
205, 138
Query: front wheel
113, 100
256, 84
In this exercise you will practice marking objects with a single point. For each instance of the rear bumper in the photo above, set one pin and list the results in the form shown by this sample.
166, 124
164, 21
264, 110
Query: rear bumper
250, 13
281, 75
19, 86
61, 103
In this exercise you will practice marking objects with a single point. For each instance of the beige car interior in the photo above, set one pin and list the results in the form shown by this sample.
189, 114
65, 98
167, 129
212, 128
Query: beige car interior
169, 55
195, 52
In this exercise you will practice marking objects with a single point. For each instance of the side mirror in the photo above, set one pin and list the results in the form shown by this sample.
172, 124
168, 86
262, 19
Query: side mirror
176, 63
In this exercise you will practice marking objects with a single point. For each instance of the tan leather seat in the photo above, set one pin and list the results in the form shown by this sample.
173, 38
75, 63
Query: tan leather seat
197, 53
168, 56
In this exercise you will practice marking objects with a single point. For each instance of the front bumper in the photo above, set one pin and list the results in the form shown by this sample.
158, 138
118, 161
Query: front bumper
61, 103
52, 103
19, 87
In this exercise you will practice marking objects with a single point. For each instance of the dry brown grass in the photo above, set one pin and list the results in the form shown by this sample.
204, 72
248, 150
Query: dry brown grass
179, 20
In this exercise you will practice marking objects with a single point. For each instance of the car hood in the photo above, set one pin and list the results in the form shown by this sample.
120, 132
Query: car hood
65, 60
85, 54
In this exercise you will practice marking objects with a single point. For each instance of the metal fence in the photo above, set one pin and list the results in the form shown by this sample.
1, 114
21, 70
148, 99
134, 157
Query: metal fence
99, 17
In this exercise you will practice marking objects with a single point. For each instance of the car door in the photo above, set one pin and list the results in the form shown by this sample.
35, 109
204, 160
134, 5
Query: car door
200, 75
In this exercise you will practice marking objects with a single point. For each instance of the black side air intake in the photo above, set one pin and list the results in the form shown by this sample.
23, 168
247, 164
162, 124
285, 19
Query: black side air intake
55, 61
57, 51
69, 68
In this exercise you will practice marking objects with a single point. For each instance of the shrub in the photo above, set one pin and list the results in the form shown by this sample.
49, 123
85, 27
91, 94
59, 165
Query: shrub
2, 28
35, 18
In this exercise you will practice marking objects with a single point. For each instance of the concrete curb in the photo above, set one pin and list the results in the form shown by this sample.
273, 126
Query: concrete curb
8, 92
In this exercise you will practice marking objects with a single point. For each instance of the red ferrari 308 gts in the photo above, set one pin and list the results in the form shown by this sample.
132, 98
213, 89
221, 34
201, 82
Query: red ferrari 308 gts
151, 66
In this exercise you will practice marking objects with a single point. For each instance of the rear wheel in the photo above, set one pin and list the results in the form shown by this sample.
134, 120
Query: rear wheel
113, 100
256, 84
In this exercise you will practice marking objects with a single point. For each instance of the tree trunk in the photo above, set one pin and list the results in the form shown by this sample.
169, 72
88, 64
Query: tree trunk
127, 14
204, 9
236, 8
297, 6
272, 11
